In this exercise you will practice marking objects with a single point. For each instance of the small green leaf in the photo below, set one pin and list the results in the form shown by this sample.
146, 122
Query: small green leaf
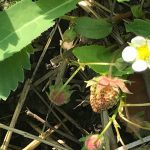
123, 67
84, 148
94, 53
137, 11
82, 139
11, 72
139, 27
69, 35
92, 28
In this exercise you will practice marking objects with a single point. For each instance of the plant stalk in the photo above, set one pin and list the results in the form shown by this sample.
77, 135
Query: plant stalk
137, 105
72, 76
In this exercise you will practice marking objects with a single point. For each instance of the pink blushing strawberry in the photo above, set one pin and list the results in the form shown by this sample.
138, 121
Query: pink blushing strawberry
93, 142
59, 95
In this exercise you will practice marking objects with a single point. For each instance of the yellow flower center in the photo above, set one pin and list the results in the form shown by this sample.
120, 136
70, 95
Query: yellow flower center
143, 52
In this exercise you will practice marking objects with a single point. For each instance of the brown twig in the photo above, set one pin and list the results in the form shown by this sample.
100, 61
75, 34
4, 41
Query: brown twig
31, 114
16, 114
47, 133
24, 93
37, 129
71, 120
48, 125
30, 136
44, 51
43, 78
65, 127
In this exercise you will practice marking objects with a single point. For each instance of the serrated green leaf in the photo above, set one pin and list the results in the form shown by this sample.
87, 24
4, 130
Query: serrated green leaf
11, 72
139, 27
92, 28
94, 53
26, 20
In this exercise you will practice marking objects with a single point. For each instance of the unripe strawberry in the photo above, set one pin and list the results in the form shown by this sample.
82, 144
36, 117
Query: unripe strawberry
69, 34
103, 99
105, 92
93, 142
68, 39
59, 95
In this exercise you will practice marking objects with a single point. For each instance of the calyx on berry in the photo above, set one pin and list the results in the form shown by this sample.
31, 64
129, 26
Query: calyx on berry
103, 81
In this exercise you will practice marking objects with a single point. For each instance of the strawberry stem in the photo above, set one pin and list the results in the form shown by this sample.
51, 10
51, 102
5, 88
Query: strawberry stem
110, 121
133, 123
72, 76
116, 126
98, 63
127, 120
136, 105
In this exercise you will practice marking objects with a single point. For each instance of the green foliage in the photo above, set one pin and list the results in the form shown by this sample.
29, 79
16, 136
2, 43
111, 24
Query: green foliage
137, 11
92, 28
94, 53
11, 72
139, 27
101, 54
69, 35
82, 139
84, 148
19, 25
26, 20
123, 68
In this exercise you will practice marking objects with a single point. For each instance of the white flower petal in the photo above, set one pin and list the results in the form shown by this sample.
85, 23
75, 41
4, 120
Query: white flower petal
139, 66
148, 62
138, 41
148, 44
129, 54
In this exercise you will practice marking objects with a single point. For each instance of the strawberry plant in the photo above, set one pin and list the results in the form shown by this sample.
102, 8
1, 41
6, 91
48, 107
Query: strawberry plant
92, 49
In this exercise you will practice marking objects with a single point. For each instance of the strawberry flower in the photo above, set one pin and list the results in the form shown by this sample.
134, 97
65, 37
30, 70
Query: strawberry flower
138, 53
